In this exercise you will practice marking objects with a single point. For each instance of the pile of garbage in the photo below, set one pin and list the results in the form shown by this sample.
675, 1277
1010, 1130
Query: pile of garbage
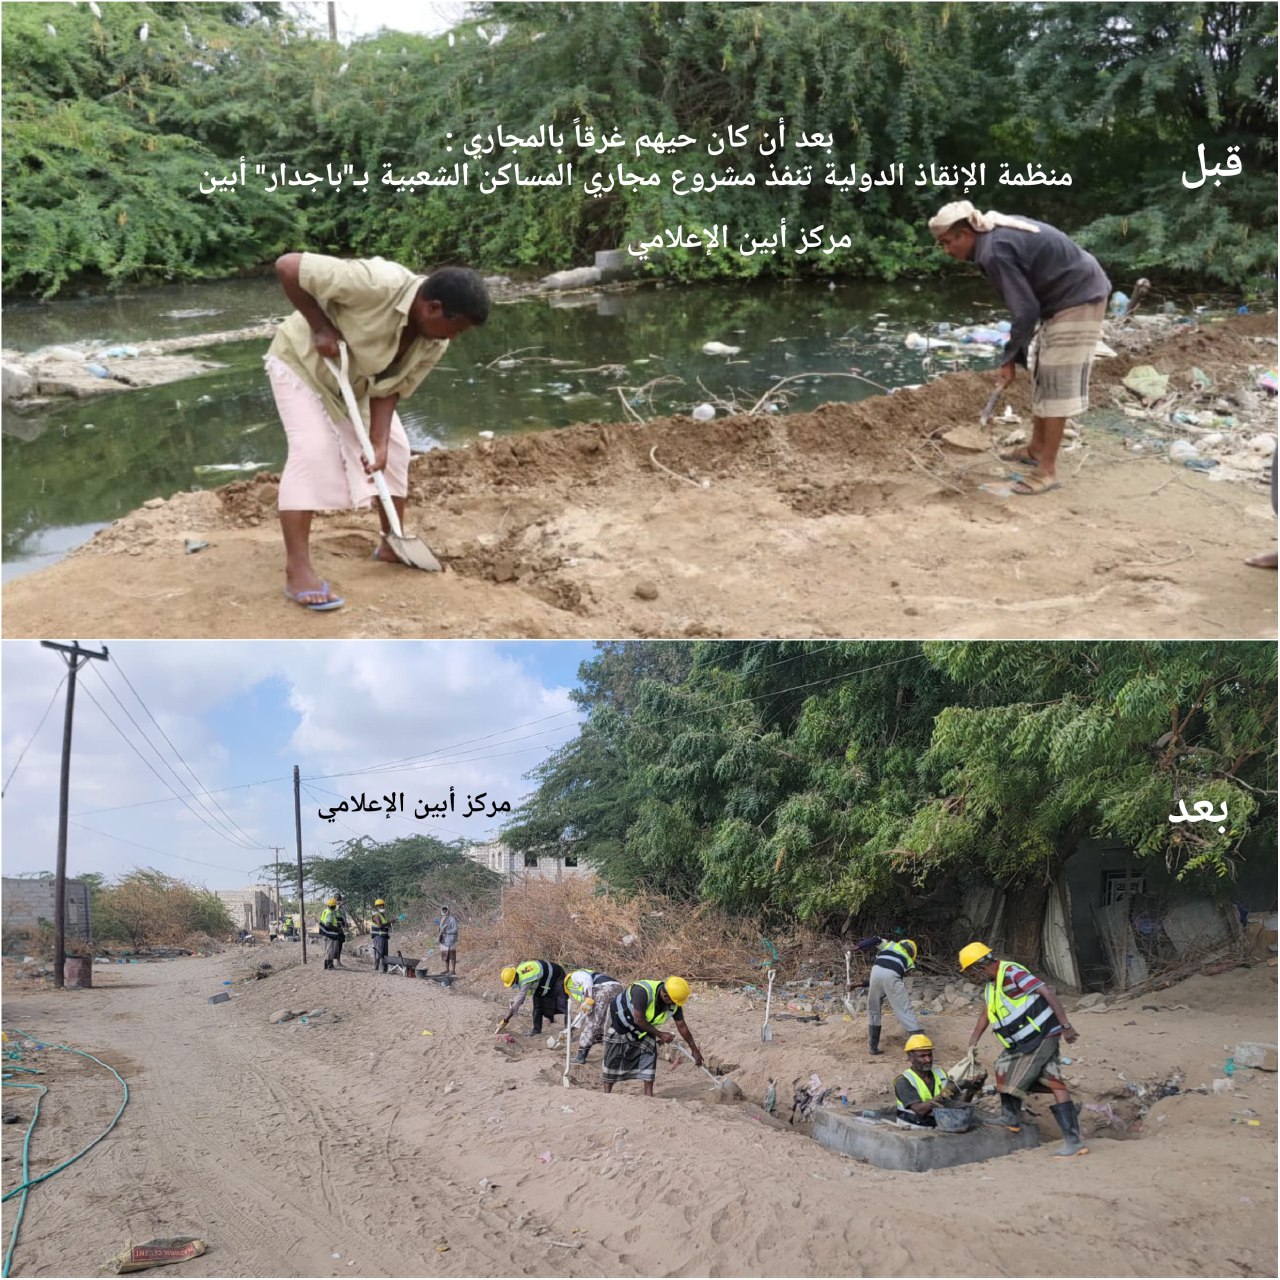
1226, 432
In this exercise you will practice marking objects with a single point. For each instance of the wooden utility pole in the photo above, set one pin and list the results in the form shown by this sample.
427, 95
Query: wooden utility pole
75, 657
277, 849
297, 824
333, 21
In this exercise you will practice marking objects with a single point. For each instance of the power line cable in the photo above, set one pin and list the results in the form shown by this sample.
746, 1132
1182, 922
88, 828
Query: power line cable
196, 812
162, 852
40, 726
124, 676
230, 830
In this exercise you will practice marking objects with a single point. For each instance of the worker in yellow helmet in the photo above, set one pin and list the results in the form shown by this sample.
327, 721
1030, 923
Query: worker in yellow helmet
544, 981
922, 1085
893, 961
331, 932
636, 1015
1028, 1020
381, 935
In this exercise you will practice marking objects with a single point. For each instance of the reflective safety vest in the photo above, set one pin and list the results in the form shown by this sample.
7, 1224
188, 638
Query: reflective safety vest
894, 956
928, 1089
535, 975
579, 992
624, 1016
330, 922
381, 925
1016, 1020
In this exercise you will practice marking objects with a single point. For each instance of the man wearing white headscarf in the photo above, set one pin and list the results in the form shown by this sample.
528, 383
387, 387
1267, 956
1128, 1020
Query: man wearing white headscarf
1046, 280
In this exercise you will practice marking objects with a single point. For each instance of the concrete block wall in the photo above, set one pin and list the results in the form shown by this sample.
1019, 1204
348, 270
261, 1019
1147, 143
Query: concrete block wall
24, 902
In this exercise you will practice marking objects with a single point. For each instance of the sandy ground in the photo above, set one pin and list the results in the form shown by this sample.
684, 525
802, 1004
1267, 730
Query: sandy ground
850, 521
356, 1145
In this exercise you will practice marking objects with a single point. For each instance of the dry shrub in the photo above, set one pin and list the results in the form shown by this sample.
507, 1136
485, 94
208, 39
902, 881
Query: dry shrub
573, 923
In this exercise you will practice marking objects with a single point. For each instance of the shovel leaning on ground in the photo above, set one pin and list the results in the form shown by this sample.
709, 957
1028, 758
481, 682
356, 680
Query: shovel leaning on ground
413, 551
766, 1031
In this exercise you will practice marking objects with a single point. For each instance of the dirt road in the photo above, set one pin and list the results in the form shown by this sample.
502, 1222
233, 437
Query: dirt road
355, 1145
850, 521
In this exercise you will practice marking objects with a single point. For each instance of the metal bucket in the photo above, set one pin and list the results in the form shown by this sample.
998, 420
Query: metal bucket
77, 971
954, 1119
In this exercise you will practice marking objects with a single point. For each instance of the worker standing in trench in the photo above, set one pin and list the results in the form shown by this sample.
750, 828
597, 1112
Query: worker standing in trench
1028, 1019
919, 1087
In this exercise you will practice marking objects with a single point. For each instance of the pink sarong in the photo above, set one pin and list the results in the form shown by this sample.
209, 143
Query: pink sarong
324, 470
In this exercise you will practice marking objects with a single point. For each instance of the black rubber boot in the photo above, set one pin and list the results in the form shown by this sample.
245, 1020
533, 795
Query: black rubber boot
1067, 1114
1011, 1112
873, 1040
580, 1056
537, 1027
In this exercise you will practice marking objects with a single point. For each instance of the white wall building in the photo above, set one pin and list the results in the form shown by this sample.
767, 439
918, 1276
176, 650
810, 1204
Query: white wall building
516, 866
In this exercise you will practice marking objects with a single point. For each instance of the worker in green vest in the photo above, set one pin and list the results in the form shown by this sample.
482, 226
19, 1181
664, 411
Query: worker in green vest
893, 961
544, 981
381, 936
922, 1085
1028, 1019
636, 1015
331, 932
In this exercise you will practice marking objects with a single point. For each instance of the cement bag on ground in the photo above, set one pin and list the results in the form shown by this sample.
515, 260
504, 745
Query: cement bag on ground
157, 1253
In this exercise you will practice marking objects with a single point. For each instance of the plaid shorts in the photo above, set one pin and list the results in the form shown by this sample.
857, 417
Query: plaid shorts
1062, 360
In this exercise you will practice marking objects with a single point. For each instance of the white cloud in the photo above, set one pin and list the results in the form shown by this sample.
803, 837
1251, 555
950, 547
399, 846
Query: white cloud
338, 707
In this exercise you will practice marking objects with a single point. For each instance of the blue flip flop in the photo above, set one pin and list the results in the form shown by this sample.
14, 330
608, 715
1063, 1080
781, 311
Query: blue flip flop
322, 605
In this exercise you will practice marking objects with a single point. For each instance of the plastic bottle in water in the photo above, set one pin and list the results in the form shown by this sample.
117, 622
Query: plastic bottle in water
1229, 1067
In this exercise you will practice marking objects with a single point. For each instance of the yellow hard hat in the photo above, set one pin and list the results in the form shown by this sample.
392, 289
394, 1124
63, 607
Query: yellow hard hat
919, 1041
508, 976
331, 902
378, 902
910, 946
677, 989
974, 952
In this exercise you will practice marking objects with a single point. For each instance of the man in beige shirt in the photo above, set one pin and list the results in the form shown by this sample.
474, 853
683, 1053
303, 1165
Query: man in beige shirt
396, 326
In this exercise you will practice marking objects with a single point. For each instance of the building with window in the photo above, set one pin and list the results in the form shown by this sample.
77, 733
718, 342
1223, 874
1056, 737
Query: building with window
498, 857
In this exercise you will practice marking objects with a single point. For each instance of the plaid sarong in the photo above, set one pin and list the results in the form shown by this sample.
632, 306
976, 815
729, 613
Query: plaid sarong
1063, 357
1019, 1073
627, 1059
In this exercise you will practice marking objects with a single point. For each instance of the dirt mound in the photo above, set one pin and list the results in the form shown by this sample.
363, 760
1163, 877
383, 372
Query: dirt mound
887, 516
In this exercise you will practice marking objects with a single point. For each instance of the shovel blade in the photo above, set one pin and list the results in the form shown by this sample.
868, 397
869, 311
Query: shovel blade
414, 552
985, 416
766, 1033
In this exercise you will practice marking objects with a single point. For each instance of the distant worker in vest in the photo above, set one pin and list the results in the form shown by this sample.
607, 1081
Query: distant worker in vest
636, 1015
920, 1087
449, 940
893, 961
290, 928
591, 992
544, 981
1051, 285
331, 932
381, 936
1029, 1022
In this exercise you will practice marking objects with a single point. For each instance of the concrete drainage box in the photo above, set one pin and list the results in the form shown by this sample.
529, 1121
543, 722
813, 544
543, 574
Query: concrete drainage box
888, 1145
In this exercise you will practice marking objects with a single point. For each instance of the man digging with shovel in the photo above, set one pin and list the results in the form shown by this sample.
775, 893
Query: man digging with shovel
1046, 280
393, 326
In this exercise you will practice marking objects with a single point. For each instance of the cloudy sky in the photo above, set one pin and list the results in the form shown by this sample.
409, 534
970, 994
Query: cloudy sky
237, 716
